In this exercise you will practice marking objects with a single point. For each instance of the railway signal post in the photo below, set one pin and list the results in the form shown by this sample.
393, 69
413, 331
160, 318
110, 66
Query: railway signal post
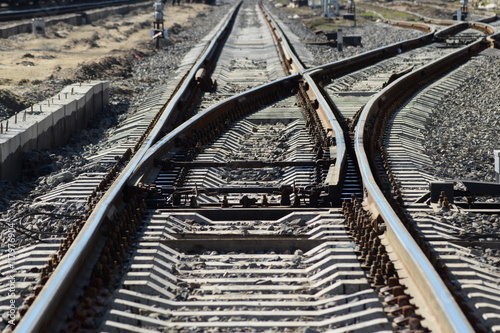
462, 12
158, 31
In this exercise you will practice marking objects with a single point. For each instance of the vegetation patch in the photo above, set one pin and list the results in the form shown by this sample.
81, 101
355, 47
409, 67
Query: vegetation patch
390, 14
368, 16
326, 24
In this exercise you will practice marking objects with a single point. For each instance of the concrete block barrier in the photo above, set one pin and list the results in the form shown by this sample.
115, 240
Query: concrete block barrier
49, 124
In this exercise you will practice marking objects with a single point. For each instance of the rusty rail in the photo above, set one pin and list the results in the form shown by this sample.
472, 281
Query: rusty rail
290, 60
422, 277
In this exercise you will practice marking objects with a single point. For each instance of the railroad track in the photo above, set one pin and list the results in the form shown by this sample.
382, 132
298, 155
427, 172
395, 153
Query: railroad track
457, 252
230, 215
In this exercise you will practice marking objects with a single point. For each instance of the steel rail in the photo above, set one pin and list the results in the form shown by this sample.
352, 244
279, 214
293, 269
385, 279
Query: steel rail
336, 172
434, 20
219, 110
161, 147
462, 26
441, 298
48, 307
170, 108
495, 39
438, 297
485, 28
365, 59
293, 60
410, 25
311, 76
335, 177
330, 121
452, 22
421, 272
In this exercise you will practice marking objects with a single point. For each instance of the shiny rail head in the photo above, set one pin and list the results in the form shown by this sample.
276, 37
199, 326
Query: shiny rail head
425, 278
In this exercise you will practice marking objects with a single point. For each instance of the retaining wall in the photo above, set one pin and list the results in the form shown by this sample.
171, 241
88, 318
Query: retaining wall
49, 124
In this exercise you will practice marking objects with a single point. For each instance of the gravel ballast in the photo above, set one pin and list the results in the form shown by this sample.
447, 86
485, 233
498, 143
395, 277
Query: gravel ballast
129, 90
145, 69
44, 170
463, 133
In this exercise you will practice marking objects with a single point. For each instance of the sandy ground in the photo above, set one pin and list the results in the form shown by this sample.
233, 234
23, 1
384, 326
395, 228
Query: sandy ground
27, 58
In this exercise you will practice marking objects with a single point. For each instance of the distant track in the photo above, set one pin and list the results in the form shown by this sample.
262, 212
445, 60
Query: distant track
26, 13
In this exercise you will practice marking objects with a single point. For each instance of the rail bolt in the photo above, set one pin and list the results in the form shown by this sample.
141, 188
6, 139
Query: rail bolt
37, 289
73, 327
404, 319
389, 269
403, 301
22, 310
29, 300
392, 282
225, 203
414, 324
265, 202
396, 292
379, 279
91, 292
